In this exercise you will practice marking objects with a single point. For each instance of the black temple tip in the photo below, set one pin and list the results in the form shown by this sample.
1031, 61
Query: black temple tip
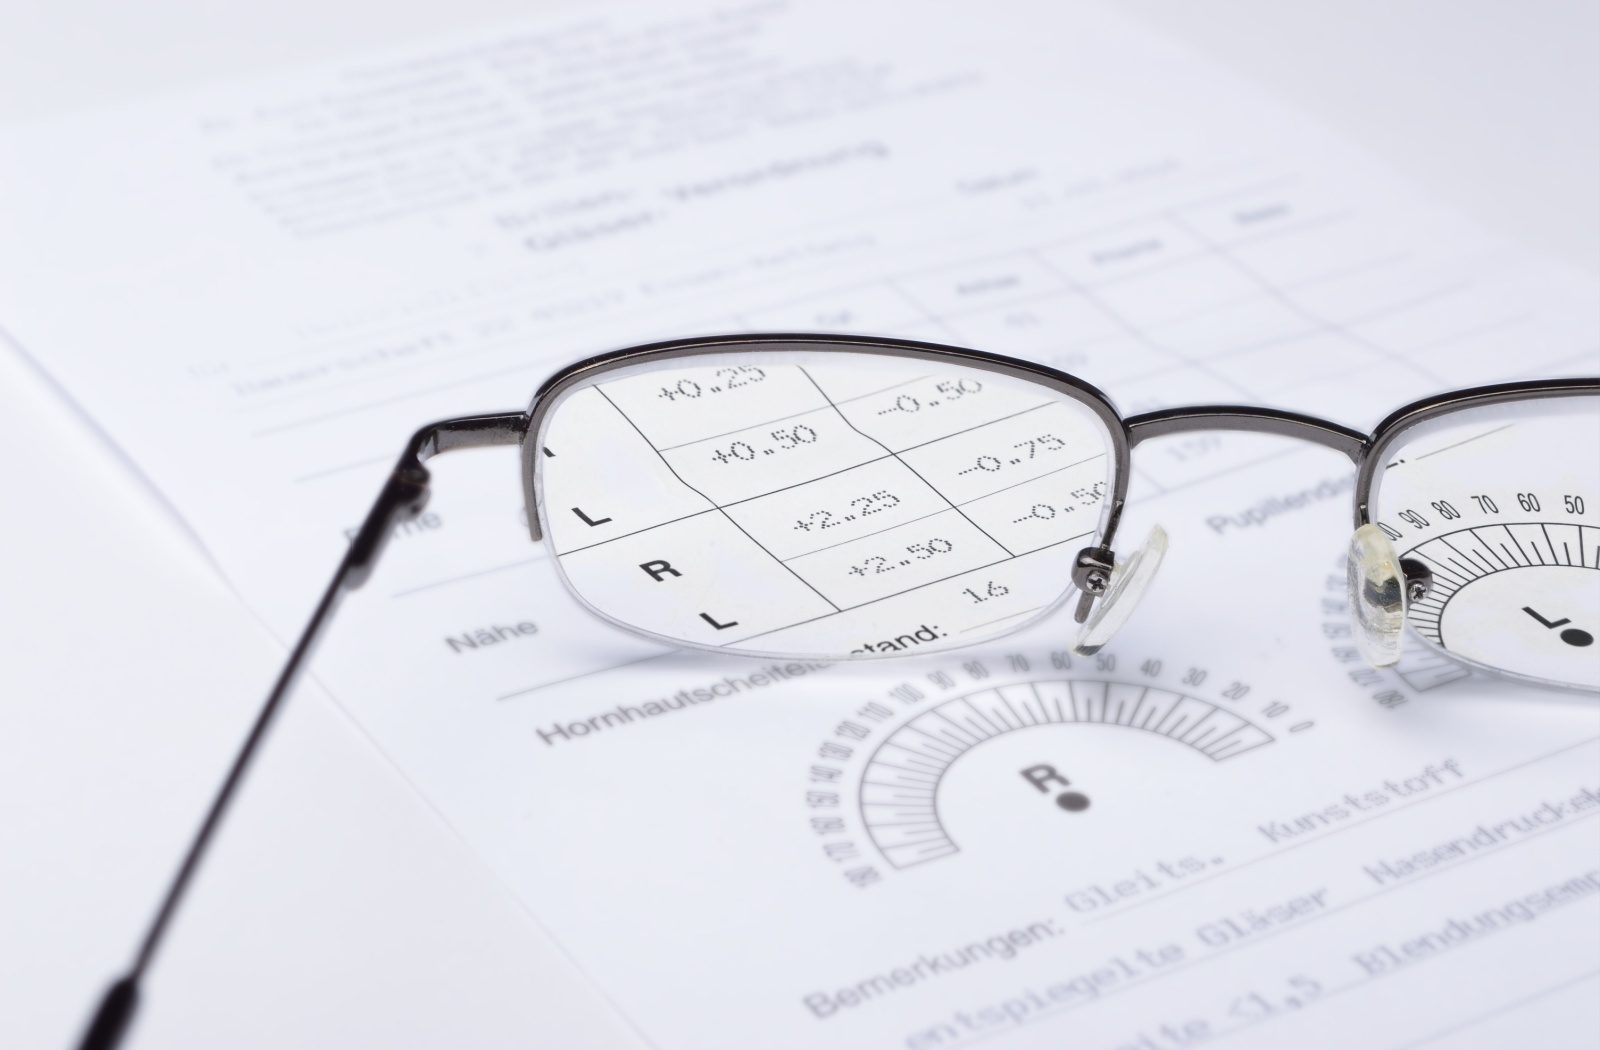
112, 1017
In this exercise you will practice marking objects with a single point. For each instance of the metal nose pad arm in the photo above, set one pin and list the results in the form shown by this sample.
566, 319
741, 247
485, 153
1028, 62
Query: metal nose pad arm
1119, 587
1091, 574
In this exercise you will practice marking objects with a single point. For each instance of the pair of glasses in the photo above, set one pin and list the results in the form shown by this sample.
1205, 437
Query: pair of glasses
847, 498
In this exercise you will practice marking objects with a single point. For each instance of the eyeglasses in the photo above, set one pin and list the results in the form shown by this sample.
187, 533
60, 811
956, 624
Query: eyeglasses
844, 498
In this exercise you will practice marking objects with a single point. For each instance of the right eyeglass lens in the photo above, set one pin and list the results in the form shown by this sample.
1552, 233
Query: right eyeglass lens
1502, 505
821, 504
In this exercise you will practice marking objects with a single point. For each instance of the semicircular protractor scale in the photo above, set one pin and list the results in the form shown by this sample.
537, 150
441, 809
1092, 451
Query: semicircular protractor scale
1520, 596
900, 781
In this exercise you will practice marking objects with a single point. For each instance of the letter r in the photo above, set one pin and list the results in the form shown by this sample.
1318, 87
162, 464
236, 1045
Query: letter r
1042, 776
658, 569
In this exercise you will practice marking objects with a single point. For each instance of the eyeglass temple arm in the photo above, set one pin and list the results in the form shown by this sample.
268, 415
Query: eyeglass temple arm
1142, 427
402, 498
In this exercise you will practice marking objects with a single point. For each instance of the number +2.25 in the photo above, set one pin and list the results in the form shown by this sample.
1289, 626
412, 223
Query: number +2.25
918, 551
881, 500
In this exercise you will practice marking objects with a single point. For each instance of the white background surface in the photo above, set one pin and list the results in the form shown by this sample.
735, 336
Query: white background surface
338, 910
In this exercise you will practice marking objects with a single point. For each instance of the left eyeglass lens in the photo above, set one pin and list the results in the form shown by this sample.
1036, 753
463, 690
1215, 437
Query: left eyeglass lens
823, 504
1502, 506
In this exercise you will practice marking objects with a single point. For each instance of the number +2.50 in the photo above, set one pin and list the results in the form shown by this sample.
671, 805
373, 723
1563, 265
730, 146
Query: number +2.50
919, 552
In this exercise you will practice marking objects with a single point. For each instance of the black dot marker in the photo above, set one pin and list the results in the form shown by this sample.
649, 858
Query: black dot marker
1072, 801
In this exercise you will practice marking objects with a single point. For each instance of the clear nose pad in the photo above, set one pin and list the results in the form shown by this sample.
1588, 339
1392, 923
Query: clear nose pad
1129, 580
1377, 587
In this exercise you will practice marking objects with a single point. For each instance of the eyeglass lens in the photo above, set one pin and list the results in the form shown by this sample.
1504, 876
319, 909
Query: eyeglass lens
1502, 506
802, 503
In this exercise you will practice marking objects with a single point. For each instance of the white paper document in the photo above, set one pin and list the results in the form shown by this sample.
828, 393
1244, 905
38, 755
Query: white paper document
1222, 828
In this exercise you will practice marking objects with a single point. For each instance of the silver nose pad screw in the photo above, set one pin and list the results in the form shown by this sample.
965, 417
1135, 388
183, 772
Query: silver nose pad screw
1111, 591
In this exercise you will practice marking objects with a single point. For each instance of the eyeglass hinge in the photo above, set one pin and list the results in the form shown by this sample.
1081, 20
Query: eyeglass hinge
404, 496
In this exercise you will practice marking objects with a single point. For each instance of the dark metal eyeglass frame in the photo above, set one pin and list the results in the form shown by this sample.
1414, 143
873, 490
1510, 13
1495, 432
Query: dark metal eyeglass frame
405, 493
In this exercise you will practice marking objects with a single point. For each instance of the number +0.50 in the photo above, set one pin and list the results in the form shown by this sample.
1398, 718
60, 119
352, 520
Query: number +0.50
793, 437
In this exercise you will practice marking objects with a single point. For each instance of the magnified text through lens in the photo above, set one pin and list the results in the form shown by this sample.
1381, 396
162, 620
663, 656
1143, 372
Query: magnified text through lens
824, 504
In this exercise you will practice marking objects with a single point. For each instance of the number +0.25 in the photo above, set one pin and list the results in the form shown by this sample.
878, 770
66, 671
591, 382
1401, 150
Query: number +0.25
723, 379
